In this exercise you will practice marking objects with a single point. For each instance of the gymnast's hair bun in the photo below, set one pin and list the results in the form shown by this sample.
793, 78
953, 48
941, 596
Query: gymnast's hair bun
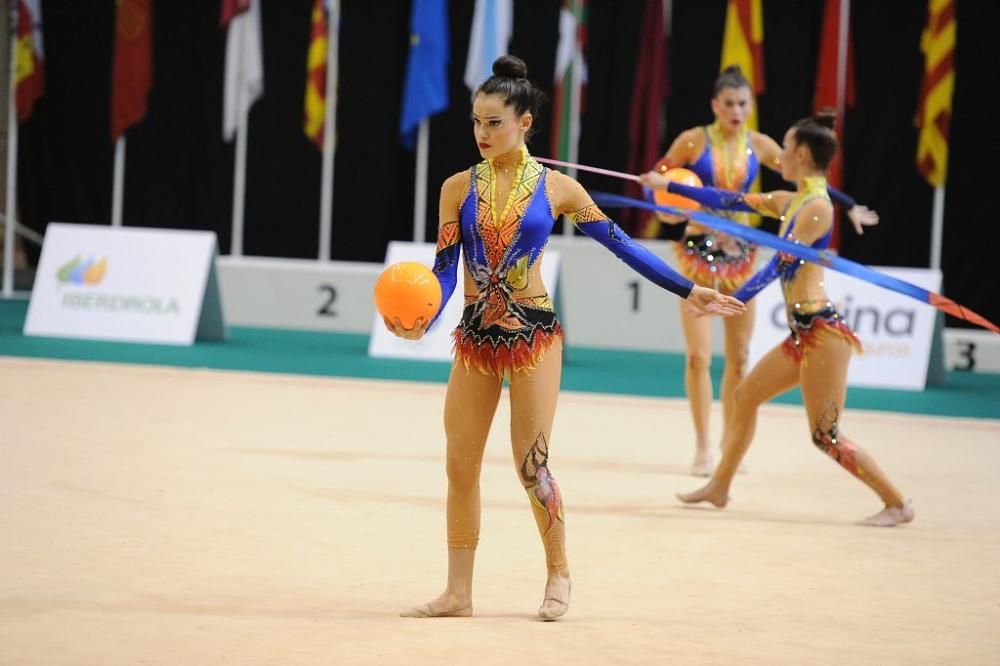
730, 77
733, 70
827, 117
510, 67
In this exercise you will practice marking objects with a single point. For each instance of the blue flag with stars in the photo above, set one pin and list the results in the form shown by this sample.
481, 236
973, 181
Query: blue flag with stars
426, 89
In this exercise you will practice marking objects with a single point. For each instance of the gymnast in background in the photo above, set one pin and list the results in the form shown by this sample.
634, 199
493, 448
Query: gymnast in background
818, 349
728, 155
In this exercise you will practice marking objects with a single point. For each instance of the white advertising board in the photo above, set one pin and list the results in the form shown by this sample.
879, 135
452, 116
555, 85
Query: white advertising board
127, 284
894, 329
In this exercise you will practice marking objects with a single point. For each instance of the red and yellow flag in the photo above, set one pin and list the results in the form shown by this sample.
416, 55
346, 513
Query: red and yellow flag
934, 110
315, 102
30, 62
743, 45
829, 92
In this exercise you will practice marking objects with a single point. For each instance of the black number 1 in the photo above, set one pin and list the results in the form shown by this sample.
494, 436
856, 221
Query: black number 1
634, 286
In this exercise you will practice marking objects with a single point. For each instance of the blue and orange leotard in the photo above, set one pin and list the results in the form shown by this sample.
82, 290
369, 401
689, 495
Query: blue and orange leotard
807, 319
509, 321
705, 256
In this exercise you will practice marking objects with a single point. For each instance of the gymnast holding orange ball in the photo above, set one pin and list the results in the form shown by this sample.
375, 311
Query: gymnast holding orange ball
407, 295
495, 222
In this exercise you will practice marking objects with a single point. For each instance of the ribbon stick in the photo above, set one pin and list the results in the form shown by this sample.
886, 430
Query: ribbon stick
583, 167
821, 257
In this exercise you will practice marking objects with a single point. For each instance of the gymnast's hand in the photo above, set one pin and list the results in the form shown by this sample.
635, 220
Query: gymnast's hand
705, 301
861, 217
653, 180
415, 333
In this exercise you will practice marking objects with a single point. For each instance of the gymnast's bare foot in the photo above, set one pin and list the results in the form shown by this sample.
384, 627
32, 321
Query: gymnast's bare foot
556, 601
703, 463
890, 516
448, 604
710, 492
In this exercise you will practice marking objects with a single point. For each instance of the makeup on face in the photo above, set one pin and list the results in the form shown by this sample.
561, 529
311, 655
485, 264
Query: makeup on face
495, 126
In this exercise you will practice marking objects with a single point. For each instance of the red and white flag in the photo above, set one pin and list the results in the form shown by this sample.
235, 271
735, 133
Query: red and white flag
241, 18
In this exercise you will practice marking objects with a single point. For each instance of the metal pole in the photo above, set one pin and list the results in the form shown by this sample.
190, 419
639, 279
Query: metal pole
329, 131
119, 180
11, 204
937, 227
420, 187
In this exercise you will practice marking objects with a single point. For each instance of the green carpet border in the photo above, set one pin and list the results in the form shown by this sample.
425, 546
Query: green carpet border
312, 353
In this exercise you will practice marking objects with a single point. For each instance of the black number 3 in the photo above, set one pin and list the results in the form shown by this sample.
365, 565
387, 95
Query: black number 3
969, 354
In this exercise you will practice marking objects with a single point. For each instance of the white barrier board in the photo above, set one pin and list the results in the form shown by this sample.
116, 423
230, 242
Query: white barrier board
127, 284
894, 329
299, 294
436, 345
606, 304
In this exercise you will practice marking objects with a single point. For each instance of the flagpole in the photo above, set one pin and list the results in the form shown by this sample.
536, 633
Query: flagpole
119, 178
329, 130
842, 41
420, 184
937, 227
573, 150
239, 166
11, 204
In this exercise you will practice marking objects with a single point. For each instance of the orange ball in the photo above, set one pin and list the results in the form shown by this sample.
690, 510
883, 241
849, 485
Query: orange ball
407, 290
684, 177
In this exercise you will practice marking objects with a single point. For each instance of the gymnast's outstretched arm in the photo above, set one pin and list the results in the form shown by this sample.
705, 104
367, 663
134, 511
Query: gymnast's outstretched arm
768, 204
572, 199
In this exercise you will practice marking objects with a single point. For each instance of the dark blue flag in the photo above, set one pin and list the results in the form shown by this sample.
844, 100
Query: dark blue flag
426, 89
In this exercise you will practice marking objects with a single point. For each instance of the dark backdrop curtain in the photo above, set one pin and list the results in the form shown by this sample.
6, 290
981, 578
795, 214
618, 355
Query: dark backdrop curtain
179, 171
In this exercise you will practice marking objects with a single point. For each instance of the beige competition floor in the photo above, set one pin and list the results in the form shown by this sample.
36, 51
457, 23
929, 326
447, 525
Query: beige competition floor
168, 516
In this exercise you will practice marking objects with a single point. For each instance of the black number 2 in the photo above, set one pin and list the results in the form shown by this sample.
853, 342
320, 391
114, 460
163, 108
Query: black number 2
326, 310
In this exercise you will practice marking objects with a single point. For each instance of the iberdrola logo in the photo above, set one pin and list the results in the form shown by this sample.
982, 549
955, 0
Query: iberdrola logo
83, 272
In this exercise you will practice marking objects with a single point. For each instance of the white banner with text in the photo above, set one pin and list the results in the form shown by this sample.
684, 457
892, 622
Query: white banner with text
126, 284
894, 329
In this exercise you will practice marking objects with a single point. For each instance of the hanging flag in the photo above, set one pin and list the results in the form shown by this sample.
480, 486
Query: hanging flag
132, 70
426, 89
828, 89
743, 45
243, 52
934, 110
492, 25
30, 77
647, 123
315, 101
568, 95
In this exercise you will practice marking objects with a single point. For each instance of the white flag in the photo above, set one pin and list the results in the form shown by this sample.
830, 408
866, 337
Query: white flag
492, 25
243, 52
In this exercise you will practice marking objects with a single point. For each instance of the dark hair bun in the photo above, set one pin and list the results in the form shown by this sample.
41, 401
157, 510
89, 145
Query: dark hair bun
827, 117
510, 67
730, 77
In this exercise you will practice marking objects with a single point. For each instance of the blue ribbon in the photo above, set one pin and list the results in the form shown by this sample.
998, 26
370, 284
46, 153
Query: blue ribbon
821, 257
